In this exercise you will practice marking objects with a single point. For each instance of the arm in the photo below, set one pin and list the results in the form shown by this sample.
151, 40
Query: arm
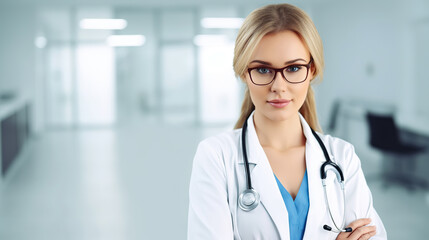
209, 215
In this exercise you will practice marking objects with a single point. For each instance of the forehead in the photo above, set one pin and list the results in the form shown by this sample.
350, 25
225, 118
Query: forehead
280, 47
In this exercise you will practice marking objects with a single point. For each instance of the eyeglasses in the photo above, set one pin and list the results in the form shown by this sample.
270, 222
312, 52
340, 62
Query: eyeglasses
295, 73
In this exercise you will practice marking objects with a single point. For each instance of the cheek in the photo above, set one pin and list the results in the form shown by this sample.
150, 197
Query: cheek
257, 93
301, 92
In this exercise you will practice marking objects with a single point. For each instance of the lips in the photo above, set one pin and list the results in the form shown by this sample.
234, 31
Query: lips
279, 103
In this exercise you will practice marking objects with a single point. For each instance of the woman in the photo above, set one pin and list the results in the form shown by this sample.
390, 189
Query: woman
278, 53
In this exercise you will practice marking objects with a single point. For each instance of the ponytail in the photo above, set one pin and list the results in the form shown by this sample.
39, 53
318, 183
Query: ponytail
246, 109
308, 111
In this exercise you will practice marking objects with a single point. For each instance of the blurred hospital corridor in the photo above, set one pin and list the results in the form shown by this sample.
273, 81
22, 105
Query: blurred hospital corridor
103, 105
125, 183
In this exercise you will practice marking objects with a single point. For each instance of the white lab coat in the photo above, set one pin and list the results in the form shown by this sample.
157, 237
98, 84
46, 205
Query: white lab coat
218, 178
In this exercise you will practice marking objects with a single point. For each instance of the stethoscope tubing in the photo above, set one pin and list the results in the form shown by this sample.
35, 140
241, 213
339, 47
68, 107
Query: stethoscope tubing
337, 229
246, 161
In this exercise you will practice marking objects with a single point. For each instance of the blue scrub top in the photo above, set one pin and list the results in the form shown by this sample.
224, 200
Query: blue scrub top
297, 209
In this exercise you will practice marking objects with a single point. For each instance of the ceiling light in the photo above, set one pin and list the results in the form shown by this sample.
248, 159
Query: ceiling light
126, 40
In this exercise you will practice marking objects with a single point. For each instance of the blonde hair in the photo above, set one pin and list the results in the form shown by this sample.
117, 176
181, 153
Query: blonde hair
271, 19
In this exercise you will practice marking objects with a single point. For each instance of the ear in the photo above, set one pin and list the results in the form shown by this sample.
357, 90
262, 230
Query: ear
313, 66
312, 70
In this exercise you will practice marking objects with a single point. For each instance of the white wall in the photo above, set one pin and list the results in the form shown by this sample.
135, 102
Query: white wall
360, 42
17, 72
376, 54
17, 55
369, 54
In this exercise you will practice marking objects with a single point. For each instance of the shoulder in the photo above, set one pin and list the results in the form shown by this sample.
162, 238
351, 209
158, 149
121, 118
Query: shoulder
340, 150
219, 147
335, 142
223, 141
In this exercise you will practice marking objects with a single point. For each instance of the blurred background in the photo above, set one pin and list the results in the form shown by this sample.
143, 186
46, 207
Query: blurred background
103, 103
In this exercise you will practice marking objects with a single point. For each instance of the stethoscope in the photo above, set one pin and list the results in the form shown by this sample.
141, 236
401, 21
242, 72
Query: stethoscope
249, 199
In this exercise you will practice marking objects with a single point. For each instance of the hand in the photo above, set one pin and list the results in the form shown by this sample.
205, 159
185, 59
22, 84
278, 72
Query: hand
359, 230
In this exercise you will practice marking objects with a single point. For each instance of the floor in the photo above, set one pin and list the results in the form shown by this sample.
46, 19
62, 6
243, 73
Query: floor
132, 183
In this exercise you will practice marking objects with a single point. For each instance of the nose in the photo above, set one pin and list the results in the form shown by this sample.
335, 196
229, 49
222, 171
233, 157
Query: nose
279, 83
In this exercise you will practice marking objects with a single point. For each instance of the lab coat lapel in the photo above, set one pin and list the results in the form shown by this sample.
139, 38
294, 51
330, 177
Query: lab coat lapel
314, 159
264, 182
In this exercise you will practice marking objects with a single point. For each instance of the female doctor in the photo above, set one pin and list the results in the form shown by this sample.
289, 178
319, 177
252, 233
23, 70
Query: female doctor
263, 180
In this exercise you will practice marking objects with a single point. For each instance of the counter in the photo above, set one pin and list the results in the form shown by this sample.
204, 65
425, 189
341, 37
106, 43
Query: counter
14, 130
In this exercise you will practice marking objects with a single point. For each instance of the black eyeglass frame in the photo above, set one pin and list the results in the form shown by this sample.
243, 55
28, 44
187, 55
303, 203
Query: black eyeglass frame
276, 70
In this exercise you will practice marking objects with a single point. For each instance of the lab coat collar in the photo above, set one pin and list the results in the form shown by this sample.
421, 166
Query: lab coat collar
314, 158
264, 182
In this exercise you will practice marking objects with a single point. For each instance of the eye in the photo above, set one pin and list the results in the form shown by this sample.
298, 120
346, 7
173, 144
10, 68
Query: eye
263, 70
293, 68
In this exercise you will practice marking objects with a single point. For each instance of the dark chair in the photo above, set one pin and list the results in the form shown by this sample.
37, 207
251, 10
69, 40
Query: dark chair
385, 136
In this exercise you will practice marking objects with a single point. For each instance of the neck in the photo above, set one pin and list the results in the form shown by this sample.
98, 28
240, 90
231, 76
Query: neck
280, 135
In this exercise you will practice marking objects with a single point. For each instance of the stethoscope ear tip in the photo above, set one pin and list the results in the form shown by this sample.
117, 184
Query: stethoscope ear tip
327, 228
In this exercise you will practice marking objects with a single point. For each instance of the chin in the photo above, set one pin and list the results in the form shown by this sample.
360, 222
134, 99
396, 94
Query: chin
280, 115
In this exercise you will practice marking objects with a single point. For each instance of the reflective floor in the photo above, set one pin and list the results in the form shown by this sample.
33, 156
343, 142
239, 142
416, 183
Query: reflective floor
132, 183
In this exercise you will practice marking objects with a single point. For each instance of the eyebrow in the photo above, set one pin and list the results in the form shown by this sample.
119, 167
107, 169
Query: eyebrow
269, 64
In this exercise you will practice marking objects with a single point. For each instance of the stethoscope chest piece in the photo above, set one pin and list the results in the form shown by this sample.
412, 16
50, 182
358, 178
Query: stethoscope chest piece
248, 200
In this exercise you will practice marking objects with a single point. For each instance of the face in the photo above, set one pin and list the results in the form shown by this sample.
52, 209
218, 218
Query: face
279, 100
